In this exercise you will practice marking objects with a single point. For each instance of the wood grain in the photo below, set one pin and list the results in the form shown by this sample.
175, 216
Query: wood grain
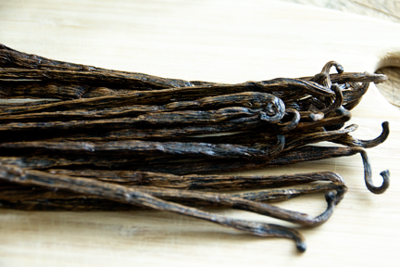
386, 10
390, 89
221, 41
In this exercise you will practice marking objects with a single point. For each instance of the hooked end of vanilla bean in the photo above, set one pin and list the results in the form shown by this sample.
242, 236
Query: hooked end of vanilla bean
331, 200
338, 102
292, 124
301, 246
340, 194
386, 182
323, 77
370, 143
274, 230
339, 68
368, 176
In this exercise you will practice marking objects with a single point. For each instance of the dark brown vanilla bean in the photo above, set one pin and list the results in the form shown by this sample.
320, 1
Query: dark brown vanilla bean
233, 127
115, 140
244, 204
336, 103
82, 114
47, 161
335, 122
294, 138
159, 118
351, 141
41, 90
307, 153
278, 195
317, 136
40, 198
166, 118
55, 90
93, 78
171, 95
215, 198
350, 77
169, 166
368, 176
168, 133
353, 96
302, 154
294, 121
15, 59
132, 196
271, 108
149, 148
167, 96
204, 182
10, 58
8, 103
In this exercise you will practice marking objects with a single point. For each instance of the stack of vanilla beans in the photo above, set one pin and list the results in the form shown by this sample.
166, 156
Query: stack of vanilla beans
98, 139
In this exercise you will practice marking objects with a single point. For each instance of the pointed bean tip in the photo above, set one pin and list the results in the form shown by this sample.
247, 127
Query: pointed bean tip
385, 173
385, 124
330, 197
339, 68
301, 246
385, 184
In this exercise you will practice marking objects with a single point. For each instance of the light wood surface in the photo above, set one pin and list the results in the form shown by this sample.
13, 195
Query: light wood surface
222, 41
382, 9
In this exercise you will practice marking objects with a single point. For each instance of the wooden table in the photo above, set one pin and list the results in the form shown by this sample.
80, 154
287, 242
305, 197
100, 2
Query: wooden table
223, 41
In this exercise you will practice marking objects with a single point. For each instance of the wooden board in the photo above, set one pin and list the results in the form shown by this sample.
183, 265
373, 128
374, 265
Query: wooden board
224, 41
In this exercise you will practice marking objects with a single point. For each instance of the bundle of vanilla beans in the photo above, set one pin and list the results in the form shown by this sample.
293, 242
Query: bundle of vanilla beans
98, 139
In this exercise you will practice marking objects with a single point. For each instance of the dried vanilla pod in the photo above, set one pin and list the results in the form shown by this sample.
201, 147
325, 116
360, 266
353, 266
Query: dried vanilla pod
199, 182
134, 196
115, 140
136, 148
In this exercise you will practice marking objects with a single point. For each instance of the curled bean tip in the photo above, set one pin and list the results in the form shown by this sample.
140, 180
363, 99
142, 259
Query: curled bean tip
339, 68
368, 176
385, 184
330, 197
385, 125
301, 245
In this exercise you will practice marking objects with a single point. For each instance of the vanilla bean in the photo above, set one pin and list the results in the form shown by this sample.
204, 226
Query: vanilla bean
270, 107
41, 90
132, 196
293, 138
163, 118
171, 133
115, 140
351, 141
227, 200
278, 195
10, 58
241, 130
204, 182
307, 153
350, 77
27, 197
316, 137
183, 167
148, 148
